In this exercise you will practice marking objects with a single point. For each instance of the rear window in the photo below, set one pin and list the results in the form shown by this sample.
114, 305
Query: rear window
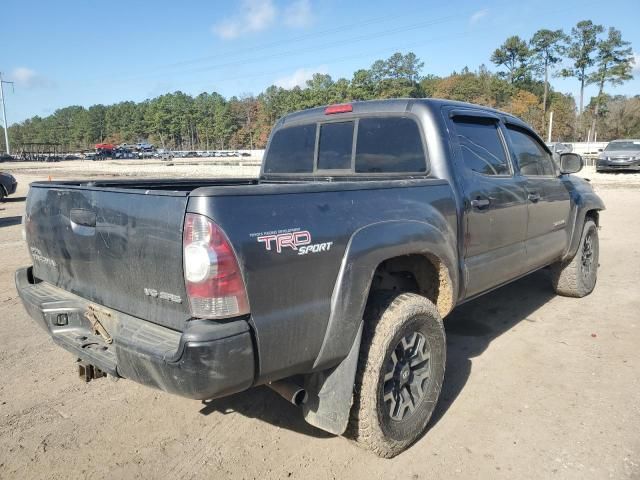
389, 145
336, 143
291, 150
383, 145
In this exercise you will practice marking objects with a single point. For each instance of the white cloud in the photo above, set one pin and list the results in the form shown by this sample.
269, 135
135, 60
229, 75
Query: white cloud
300, 77
636, 60
298, 14
27, 78
477, 16
257, 15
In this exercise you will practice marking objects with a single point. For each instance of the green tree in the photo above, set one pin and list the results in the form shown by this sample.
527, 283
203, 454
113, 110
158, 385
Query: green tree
547, 47
513, 54
397, 76
581, 48
564, 116
614, 63
362, 85
428, 85
621, 118
318, 90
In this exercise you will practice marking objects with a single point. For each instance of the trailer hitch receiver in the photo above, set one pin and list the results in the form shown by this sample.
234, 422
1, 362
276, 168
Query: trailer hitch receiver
88, 372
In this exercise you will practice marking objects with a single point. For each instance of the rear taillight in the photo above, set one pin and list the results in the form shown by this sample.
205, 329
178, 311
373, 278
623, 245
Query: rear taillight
212, 275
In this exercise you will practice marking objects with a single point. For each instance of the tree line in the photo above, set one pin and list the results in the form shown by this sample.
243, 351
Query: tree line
520, 86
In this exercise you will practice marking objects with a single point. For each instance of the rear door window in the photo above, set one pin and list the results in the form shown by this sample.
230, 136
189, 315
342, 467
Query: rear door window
291, 150
389, 145
335, 146
481, 145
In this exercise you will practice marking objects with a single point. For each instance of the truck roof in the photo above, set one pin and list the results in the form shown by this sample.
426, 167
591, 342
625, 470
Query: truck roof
394, 105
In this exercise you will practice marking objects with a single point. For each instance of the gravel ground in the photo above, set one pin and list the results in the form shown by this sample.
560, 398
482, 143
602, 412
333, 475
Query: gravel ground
537, 386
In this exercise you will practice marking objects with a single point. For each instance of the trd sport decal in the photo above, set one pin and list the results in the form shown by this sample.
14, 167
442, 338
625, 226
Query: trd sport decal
293, 238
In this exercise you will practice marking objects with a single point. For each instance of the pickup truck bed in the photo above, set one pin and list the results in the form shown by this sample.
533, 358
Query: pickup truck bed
135, 242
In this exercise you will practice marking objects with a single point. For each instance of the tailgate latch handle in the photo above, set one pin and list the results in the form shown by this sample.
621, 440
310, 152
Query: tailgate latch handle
83, 222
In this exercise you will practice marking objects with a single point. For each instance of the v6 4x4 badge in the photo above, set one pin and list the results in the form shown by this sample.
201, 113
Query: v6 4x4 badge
297, 240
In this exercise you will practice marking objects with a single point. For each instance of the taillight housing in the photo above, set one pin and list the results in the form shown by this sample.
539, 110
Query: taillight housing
212, 275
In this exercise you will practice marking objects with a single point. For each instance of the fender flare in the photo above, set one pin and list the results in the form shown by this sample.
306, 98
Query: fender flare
584, 202
369, 247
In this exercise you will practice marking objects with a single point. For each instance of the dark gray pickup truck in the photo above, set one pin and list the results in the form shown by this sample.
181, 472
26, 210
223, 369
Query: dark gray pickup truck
328, 277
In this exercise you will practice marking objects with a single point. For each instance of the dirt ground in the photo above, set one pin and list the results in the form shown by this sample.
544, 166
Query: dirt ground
537, 386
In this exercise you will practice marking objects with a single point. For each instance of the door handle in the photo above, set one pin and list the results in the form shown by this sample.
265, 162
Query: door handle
480, 202
533, 197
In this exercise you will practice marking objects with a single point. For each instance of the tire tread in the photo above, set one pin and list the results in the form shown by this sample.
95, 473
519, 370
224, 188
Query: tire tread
566, 277
381, 323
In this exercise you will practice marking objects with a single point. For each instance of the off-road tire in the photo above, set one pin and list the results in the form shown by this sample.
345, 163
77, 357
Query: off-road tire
2, 195
577, 277
390, 320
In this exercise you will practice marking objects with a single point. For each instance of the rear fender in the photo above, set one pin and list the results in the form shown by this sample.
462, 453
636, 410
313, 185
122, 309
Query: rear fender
331, 389
368, 248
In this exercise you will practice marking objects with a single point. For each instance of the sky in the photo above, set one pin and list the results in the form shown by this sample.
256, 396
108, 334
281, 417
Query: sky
84, 52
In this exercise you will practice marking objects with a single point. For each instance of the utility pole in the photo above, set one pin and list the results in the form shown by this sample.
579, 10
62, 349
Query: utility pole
550, 126
4, 114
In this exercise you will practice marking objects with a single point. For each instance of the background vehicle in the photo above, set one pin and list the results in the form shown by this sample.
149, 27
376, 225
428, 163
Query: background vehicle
328, 277
620, 155
558, 148
8, 185
163, 154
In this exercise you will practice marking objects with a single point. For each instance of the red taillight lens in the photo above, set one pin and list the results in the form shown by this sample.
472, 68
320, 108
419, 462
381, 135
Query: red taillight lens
212, 275
342, 108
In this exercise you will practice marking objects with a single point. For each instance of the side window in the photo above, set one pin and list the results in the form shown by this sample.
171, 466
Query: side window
389, 145
291, 150
532, 158
334, 149
482, 148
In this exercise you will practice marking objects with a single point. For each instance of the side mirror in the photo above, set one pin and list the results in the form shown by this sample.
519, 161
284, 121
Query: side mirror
570, 163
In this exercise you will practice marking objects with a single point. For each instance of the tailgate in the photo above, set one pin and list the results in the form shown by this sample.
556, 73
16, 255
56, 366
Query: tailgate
118, 248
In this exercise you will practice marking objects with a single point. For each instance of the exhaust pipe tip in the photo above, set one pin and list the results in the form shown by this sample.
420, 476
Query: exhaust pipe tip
290, 391
300, 397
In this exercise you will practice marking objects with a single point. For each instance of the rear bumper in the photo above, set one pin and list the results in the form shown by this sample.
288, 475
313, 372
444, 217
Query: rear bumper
207, 360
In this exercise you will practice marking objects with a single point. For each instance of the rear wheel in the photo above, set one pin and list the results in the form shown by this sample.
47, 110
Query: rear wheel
2, 195
578, 277
400, 373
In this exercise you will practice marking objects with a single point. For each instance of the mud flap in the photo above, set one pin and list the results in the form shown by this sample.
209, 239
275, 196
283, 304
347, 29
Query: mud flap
331, 393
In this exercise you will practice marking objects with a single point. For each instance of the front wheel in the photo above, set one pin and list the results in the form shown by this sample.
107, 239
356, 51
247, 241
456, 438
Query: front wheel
577, 277
400, 373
